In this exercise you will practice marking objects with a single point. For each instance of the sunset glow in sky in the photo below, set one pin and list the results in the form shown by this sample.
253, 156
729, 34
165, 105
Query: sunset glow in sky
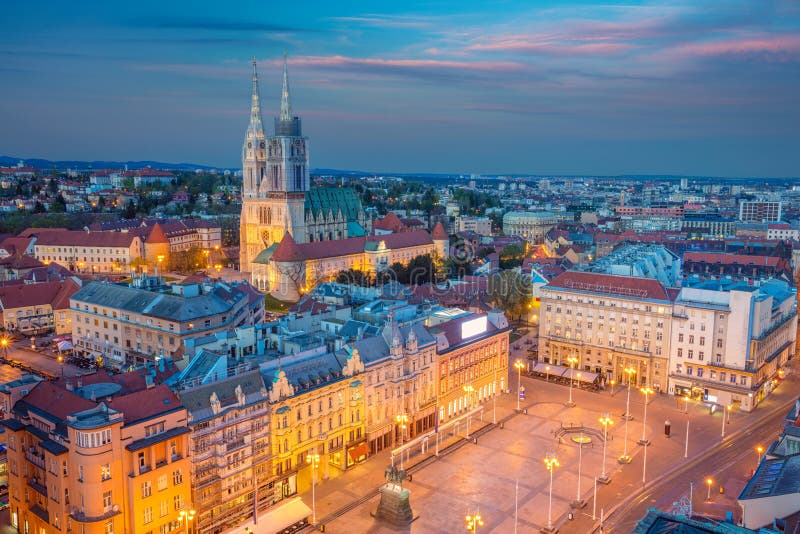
701, 88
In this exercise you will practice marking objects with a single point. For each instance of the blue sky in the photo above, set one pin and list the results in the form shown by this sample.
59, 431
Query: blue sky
694, 87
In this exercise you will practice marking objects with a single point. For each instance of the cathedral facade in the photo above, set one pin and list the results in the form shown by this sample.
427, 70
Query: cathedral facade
277, 197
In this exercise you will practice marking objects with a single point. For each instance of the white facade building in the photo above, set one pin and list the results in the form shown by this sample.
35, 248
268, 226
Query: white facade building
729, 343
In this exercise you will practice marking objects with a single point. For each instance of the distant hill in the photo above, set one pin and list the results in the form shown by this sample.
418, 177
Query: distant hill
132, 165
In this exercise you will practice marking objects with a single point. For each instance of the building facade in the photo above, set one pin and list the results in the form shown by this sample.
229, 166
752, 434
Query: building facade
127, 325
472, 360
98, 458
479, 225
317, 404
609, 323
399, 379
730, 343
760, 211
230, 450
89, 252
531, 225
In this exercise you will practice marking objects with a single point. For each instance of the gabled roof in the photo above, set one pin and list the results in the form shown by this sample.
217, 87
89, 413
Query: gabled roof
55, 293
83, 239
157, 235
287, 250
438, 232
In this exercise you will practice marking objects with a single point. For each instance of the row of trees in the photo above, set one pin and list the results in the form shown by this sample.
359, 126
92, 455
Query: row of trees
420, 270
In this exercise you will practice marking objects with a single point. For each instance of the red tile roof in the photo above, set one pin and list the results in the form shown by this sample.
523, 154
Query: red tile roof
16, 244
157, 235
18, 296
730, 259
390, 222
438, 232
608, 284
291, 251
146, 403
80, 238
56, 401
288, 250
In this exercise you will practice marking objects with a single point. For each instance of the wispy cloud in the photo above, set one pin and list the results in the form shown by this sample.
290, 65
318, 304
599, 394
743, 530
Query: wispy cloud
220, 25
409, 22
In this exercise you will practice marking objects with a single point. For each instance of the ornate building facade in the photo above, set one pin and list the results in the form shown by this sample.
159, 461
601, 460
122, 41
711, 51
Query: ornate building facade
276, 194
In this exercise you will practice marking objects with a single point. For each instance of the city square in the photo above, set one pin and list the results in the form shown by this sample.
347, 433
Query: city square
505, 469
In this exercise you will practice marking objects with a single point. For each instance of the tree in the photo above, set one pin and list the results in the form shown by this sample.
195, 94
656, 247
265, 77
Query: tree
59, 205
511, 256
510, 291
130, 210
38, 207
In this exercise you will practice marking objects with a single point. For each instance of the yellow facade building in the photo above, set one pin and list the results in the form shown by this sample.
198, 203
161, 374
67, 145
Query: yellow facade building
317, 405
102, 455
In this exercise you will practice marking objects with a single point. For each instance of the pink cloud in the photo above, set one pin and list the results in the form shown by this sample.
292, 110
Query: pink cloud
553, 48
368, 64
781, 47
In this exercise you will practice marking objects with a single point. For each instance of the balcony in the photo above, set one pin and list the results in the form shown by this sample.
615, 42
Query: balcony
36, 485
83, 517
35, 458
236, 444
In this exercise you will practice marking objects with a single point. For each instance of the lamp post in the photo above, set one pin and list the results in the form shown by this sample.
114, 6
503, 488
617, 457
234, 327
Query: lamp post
606, 421
468, 389
473, 522
759, 451
572, 360
723, 423
630, 371
612, 381
402, 422
686, 404
551, 462
186, 518
647, 392
547, 373
4, 345
709, 483
578, 502
519, 365
313, 459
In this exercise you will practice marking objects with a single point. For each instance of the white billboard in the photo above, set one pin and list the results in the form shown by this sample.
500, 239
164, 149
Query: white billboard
473, 327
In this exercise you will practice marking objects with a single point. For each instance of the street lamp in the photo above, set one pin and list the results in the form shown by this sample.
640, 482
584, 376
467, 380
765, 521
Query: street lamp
313, 459
4, 345
686, 404
473, 522
519, 366
606, 421
630, 371
646, 391
402, 422
551, 462
547, 371
578, 502
572, 360
612, 386
709, 483
186, 517
468, 389
723, 423
759, 451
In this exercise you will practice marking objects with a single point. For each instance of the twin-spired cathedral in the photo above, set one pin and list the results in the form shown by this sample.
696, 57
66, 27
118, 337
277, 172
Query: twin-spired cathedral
292, 235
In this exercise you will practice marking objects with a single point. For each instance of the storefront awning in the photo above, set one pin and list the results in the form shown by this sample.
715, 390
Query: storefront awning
358, 451
278, 518
584, 376
554, 370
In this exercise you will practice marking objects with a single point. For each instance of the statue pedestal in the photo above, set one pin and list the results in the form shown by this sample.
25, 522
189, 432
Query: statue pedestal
394, 507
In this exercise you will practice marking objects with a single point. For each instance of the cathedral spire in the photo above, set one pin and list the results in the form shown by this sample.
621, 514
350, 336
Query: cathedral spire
255, 106
286, 106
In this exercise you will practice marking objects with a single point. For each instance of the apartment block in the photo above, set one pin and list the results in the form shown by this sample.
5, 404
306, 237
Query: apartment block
609, 323
97, 455
130, 325
730, 341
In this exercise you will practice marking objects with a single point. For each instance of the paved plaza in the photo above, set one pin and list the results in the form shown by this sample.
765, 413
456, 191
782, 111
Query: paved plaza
484, 477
